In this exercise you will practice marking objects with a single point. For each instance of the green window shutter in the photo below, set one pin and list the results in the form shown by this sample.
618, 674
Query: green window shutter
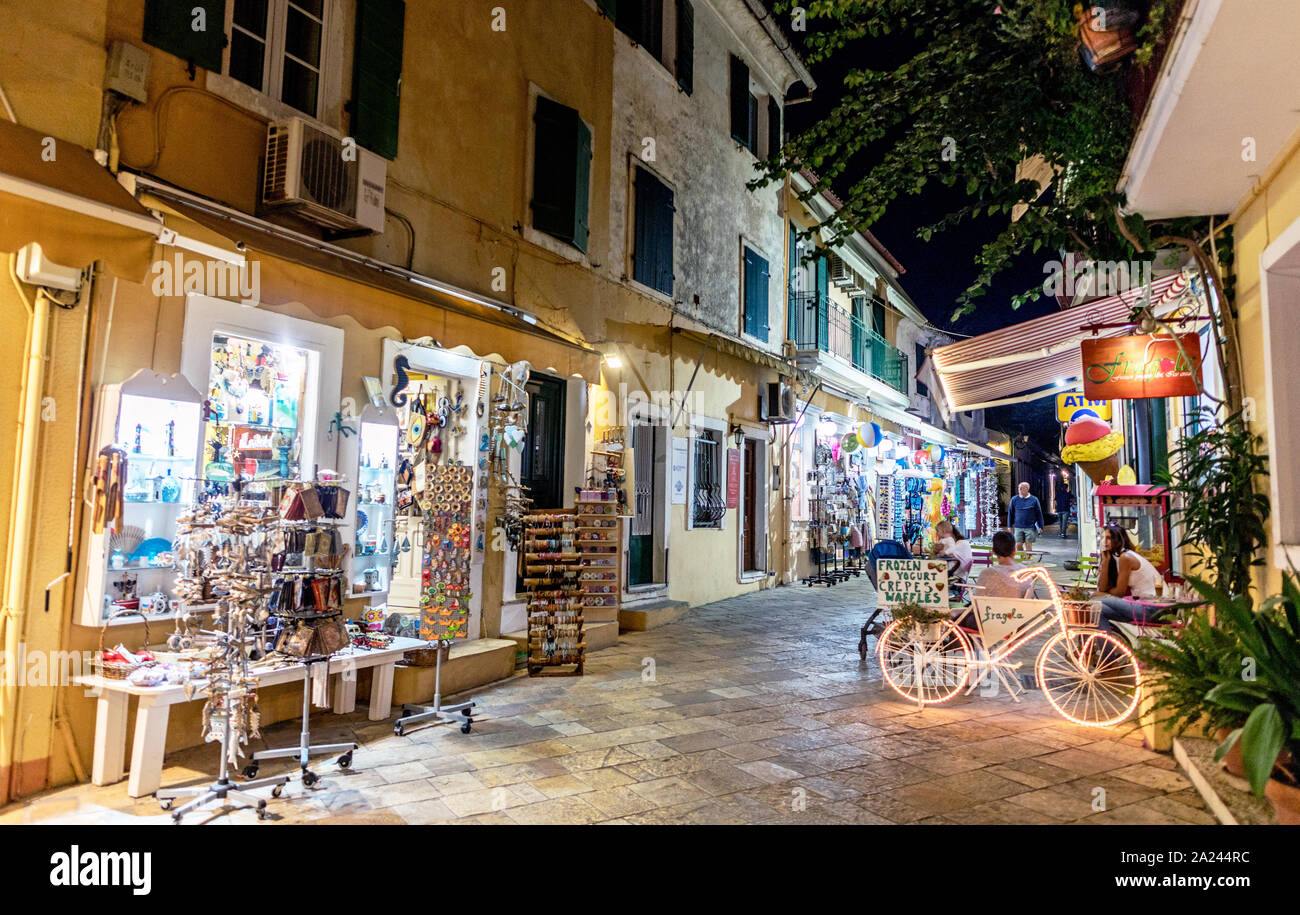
652, 27
823, 303
739, 101
561, 173
652, 257
756, 279
377, 74
878, 317
686, 46
773, 126
169, 25
608, 8
792, 259
581, 183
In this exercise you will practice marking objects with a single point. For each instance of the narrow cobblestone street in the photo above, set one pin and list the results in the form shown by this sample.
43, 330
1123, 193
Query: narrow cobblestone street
755, 709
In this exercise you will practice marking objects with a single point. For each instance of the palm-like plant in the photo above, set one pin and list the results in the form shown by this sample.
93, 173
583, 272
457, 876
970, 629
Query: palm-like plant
1265, 688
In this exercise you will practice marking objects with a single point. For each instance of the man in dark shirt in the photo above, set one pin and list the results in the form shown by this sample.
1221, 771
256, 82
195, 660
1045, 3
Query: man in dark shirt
1063, 499
1025, 517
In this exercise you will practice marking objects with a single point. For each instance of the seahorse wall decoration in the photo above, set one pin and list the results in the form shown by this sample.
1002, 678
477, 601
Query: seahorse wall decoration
398, 397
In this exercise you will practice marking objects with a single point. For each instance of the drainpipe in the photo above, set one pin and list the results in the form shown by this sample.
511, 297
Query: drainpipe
14, 610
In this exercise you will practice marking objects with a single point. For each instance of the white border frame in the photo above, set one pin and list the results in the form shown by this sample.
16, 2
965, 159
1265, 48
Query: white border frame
205, 316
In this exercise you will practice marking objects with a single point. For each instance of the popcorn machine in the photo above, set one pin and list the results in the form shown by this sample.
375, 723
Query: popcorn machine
1142, 511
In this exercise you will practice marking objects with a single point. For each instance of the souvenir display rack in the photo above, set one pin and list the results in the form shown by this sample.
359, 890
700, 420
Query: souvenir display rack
828, 513
241, 534
445, 602
600, 539
552, 566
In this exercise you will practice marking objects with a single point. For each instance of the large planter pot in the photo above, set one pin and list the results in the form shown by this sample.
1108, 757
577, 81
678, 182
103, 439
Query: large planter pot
1232, 762
1285, 800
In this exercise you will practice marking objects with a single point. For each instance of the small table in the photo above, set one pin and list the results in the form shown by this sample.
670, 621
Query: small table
155, 702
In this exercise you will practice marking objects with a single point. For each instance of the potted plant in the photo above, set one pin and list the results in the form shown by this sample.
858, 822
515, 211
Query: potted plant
1192, 660
924, 623
1077, 604
1266, 690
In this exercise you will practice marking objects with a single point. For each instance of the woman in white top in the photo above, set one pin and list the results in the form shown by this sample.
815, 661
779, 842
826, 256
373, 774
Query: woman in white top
1123, 572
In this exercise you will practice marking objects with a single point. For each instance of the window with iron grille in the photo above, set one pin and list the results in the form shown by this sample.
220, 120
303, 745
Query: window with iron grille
708, 503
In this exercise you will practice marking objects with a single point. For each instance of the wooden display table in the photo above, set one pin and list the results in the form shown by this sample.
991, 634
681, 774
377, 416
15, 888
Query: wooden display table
155, 702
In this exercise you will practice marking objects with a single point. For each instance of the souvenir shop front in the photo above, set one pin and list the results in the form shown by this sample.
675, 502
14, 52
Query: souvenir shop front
320, 456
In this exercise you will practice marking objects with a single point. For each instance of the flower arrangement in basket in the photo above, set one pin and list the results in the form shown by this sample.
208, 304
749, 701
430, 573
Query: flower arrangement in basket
1082, 611
118, 663
923, 622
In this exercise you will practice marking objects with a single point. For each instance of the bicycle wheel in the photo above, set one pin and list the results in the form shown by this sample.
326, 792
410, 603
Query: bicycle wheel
924, 670
1089, 677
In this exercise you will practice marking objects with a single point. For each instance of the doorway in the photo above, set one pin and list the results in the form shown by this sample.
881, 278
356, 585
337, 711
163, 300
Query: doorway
542, 466
749, 524
641, 540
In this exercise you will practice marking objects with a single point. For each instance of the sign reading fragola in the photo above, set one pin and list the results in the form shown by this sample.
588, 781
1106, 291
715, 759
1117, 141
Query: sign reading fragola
912, 581
1143, 366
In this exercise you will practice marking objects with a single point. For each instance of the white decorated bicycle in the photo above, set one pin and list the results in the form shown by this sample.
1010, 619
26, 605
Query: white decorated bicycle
1089, 676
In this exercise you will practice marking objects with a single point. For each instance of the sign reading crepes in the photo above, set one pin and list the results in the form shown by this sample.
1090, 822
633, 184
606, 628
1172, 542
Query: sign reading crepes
1140, 367
912, 581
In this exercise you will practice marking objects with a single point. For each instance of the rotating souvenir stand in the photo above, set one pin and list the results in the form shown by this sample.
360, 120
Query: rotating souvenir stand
552, 566
238, 534
300, 596
446, 584
825, 542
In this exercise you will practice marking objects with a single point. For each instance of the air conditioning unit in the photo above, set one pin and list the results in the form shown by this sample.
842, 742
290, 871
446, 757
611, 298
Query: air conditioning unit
776, 404
841, 273
317, 176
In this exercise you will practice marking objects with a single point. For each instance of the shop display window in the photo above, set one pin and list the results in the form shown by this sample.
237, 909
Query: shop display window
377, 461
255, 410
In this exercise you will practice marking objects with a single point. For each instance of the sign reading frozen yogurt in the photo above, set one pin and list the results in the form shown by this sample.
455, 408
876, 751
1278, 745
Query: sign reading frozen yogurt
912, 581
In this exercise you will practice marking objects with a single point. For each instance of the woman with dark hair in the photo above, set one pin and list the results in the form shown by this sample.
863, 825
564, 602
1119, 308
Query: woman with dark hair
1123, 571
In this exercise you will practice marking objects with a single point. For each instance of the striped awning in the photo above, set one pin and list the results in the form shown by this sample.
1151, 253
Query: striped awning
1038, 357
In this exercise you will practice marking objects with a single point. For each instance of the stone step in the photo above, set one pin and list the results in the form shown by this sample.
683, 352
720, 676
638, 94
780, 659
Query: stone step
652, 615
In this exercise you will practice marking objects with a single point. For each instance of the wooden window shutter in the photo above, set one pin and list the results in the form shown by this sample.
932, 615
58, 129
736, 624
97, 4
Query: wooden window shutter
561, 173
608, 8
686, 46
169, 26
377, 74
756, 278
739, 101
773, 126
652, 256
652, 27
792, 317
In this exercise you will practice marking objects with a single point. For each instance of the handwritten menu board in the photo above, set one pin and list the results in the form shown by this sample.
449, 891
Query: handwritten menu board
916, 581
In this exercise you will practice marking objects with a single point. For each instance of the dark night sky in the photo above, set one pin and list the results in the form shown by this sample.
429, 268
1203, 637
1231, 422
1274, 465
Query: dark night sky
938, 271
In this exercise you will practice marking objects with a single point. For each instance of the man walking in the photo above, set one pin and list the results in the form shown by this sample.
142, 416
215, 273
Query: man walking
1063, 499
1025, 517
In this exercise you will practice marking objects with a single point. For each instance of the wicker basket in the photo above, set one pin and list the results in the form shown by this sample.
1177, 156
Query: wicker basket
1082, 614
115, 670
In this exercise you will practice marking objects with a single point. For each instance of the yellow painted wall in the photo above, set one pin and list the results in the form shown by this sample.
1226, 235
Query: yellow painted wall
1269, 214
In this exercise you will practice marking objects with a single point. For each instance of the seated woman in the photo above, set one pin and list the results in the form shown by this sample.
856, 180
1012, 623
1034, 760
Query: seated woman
1122, 572
951, 544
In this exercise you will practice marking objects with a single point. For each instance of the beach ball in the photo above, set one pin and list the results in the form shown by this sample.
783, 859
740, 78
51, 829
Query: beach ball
921, 456
870, 434
936, 452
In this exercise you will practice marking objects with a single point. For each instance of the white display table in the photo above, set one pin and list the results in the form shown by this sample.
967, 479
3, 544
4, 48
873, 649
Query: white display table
155, 702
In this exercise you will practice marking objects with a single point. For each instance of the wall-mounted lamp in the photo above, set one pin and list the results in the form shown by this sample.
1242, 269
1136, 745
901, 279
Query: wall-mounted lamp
737, 435
614, 360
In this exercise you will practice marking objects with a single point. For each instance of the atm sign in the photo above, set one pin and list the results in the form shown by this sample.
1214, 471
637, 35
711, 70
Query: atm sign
1067, 404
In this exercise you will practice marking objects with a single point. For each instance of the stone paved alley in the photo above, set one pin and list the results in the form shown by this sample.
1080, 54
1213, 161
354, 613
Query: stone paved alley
759, 711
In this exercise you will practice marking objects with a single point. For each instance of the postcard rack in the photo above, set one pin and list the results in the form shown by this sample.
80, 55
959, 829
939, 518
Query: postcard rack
552, 565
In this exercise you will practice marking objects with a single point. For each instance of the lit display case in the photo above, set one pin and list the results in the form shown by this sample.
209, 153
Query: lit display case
152, 423
376, 462
1142, 511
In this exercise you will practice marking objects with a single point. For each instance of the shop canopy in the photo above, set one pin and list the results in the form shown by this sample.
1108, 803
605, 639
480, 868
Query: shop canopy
55, 194
415, 305
1036, 358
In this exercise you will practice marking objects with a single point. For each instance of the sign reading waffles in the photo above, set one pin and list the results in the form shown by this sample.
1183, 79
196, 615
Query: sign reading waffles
912, 581
1144, 366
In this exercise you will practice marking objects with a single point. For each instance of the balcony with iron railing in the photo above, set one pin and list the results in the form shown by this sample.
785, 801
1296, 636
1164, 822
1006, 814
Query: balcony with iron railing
818, 324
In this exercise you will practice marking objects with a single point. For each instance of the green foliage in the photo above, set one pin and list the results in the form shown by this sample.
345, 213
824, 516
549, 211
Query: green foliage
1187, 665
989, 86
1216, 471
1270, 702
913, 614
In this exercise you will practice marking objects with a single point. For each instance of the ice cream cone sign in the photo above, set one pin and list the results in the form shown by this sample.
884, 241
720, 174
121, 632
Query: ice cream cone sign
1093, 445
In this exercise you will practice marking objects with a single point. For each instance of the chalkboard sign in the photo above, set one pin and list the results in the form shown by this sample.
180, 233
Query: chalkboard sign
916, 581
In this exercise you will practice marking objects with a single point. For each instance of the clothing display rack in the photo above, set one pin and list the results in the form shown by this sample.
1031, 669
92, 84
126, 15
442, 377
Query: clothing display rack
832, 509
552, 565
